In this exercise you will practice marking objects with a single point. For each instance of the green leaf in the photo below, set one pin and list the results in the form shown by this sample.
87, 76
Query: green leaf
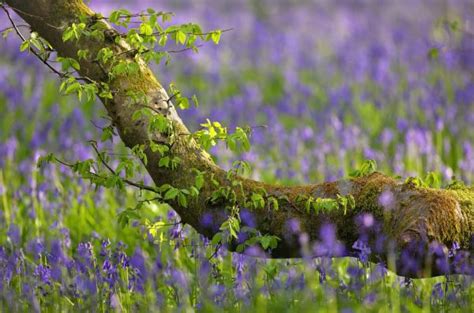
195, 101
433, 54
163, 40
265, 242
367, 168
182, 200
183, 103
146, 29
217, 238
274, 203
164, 162
171, 193
162, 149
68, 34
6, 32
107, 134
433, 180
194, 192
82, 54
45, 160
216, 36
72, 88
257, 200
180, 37
74, 64
24, 45
199, 181
120, 17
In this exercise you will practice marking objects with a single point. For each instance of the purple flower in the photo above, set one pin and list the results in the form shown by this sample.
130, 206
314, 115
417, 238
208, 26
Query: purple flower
248, 219
437, 293
115, 302
255, 251
14, 234
328, 244
370, 299
293, 226
110, 273
137, 262
363, 250
56, 254
84, 249
36, 247
171, 215
105, 248
387, 199
82, 286
454, 248
66, 237
367, 220
43, 273
179, 279
207, 220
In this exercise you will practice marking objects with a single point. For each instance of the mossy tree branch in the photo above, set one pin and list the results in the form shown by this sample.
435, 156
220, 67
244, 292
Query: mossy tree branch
416, 214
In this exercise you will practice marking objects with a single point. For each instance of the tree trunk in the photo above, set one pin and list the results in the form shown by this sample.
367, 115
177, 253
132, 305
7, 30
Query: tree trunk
415, 215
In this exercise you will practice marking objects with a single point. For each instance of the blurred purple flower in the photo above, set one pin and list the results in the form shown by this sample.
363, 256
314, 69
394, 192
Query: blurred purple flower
328, 245
248, 219
36, 247
179, 279
255, 251
14, 234
43, 273
387, 199
363, 250
293, 226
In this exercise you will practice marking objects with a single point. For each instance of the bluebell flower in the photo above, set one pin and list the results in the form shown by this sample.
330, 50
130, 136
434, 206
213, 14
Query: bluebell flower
14, 234
36, 247
363, 250
43, 273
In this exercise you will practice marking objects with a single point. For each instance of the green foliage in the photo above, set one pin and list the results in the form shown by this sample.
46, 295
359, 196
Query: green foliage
431, 180
74, 32
126, 215
144, 38
257, 201
327, 205
367, 168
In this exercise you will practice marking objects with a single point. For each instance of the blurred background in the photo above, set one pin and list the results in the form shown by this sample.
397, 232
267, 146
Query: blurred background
325, 84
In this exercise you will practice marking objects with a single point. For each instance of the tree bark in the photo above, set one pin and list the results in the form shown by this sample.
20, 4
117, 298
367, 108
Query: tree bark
416, 214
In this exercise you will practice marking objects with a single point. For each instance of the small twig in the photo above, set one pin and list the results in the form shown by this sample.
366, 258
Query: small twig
218, 246
170, 224
93, 144
127, 181
44, 61
24, 39
101, 67
141, 14
150, 107
171, 98
150, 200
29, 14
97, 126
184, 49
196, 34
12, 28
136, 51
